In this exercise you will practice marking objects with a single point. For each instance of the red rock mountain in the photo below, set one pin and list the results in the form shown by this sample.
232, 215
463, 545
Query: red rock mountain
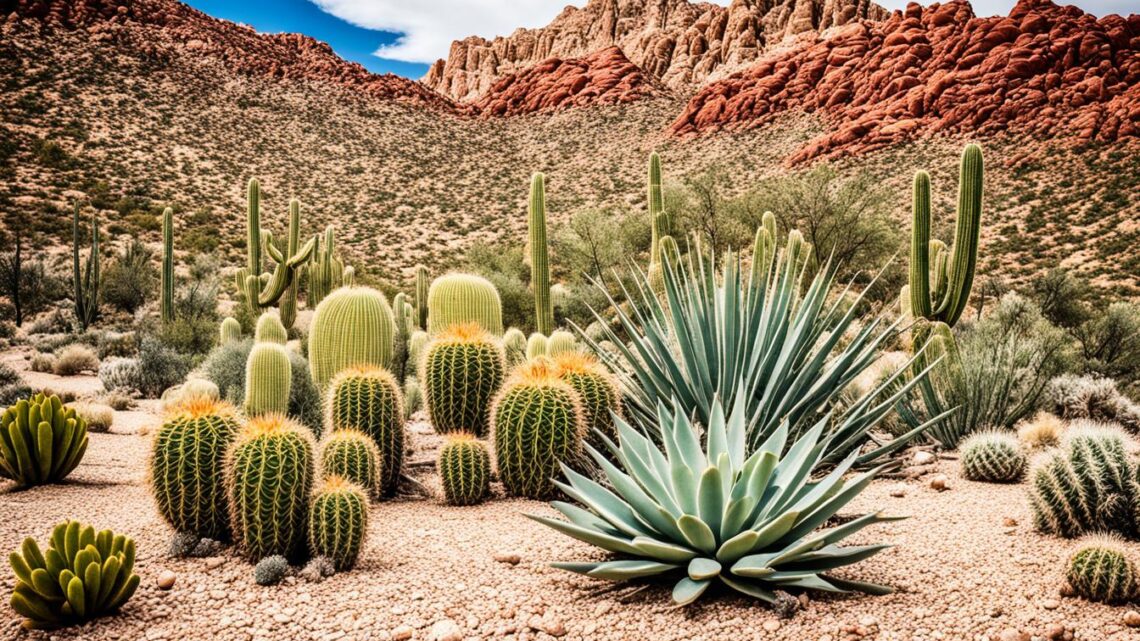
680, 43
1046, 69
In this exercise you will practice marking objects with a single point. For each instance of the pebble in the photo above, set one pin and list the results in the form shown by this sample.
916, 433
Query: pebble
1132, 619
1012, 634
1050, 604
166, 580
898, 491
402, 633
445, 630
940, 482
771, 625
1055, 632
923, 458
510, 559
215, 562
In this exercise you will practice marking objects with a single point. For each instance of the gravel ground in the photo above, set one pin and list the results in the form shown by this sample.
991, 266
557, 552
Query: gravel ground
967, 565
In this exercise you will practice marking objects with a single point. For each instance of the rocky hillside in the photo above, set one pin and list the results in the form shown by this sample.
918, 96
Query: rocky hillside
678, 42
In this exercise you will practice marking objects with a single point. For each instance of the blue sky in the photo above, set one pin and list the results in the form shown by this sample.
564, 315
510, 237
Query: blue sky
405, 36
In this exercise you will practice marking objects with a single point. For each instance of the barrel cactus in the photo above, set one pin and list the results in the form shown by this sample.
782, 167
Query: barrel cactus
460, 373
338, 519
368, 399
1100, 570
268, 377
536, 346
41, 441
514, 346
269, 477
186, 466
229, 331
992, 456
82, 575
417, 343
464, 298
465, 470
270, 329
597, 391
560, 342
351, 326
539, 423
353, 456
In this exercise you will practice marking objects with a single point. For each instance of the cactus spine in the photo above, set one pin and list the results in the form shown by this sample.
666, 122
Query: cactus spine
421, 297
338, 520
86, 278
1100, 570
229, 331
83, 574
514, 347
465, 469
352, 326
268, 377
461, 372
538, 424
186, 466
539, 256
269, 478
352, 455
992, 456
167, 265
270, 329
368, 399
464, 298
41, 441
260, 292
536, 346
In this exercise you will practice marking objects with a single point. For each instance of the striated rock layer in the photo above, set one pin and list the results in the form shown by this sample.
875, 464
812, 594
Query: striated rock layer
1043, 69
676, 42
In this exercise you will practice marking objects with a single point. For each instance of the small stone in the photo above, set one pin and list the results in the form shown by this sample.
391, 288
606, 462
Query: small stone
214, 563
445, 630
1132, 619
508, 558
402, 633
996, 612
1009, 522
1050, 604
166, 580
1066, 590
923, 458
940, 482
771, 625
1055, 631
898, 491
1011, 634
554, 627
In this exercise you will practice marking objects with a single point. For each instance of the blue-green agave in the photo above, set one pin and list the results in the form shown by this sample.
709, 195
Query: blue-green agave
706, 515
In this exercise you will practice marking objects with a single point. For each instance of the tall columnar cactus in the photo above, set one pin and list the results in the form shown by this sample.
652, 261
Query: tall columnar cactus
464, 298
939, 291
352, 326
417, 345
368, 399
657, 217
82, 575
288, 302
597, 390
413, 397
229, 331
538, 423
260, 292
536, 346
270, 329
338, 519
1100, 570
514, 346
422, 296
352, 455
326, 269
763, 250
993, 457
86, 278
268, 377
41, 441
539, 255
167, 265
460, 373
269, 478
561, 342
186, 466
400, 309
465, 470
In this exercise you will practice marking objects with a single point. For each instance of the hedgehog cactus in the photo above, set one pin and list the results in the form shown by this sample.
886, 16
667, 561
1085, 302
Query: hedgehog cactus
465, 469
338, 519
464, 298
993, 457
461, 371
536, 346
270, 329
186, 466
1100, 570
167, 265
41, 441
598, 392
268, 377
514, 346
352, 326
230, 331
539, 423
353, 456
561, 342
82, 575
269, 477
539, 255
368, 399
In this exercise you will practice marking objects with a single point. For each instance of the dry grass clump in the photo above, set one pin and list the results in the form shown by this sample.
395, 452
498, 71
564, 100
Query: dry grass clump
99, 417
1042, 431
119, 401
42, 362
75, 359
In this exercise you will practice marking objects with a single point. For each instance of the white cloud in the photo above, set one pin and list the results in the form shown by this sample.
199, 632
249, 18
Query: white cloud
429, 26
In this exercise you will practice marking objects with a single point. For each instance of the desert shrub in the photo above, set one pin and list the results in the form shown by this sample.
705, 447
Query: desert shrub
120, 374
12, 386
60, 320
1109, 344
99, 417
159, 367
225, 367
131, 278
1095, 398
194, 329
74, 359
118, 400
121, 344
27, 282
42, 362
1042, 431
1063, 297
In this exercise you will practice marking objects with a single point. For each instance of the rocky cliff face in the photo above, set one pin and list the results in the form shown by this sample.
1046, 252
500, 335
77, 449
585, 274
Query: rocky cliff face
1044, 68
676, 42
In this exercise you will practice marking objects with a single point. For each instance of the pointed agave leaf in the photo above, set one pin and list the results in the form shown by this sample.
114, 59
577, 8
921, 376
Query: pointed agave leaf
710, 497
586, 535
663, 550
750, 588
832, 557
625, 570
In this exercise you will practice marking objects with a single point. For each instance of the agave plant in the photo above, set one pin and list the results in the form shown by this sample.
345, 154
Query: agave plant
756, 337
706, 515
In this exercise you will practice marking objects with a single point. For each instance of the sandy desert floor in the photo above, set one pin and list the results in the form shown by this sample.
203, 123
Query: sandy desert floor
966, 565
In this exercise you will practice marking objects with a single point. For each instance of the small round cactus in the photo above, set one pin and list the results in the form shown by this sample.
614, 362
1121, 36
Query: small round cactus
514, 347
464, 298
268, 376
536, 346
353, 456
229, 331
597, 391
1100, 570
993, 457
338, 519
270, 329
269, 477
538, 423
271, 570
561, 342
461, 371
186, 466
352, 326
465, 470
368, 399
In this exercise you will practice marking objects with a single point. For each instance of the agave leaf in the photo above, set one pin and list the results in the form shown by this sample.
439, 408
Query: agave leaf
663, 550
710, 495
625, 570
749, 588
646, 507
697, 533
702, 568
832, 557
603, 503
587, 535
687, 590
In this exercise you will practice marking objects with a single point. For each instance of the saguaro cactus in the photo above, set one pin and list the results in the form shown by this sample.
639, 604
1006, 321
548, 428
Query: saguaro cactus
539, 256
352, 326
264, 292
288, 302
86, 278
400, 311
464, 298
167, 265
763, 251
422, 296
268, 376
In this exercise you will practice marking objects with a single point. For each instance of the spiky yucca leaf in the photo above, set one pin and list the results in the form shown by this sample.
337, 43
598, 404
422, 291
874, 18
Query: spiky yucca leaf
706, 514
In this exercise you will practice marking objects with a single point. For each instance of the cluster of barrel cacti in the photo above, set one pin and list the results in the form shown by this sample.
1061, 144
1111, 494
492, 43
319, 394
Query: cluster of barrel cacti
41, 441
368, 399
